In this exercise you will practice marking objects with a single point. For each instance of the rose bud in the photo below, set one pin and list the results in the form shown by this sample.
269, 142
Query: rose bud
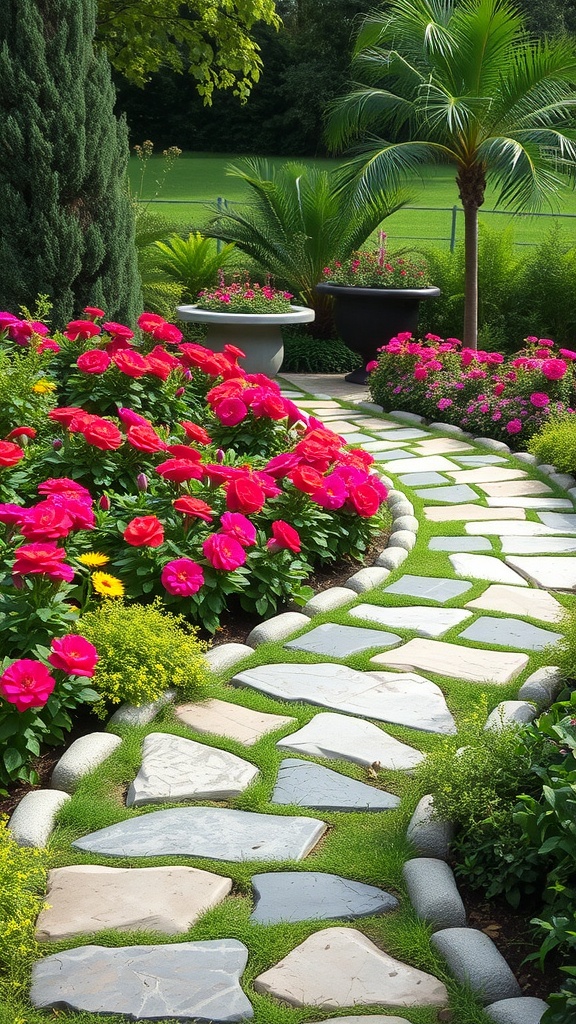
142, 482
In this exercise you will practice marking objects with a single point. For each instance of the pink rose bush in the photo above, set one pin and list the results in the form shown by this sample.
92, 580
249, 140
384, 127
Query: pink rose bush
486, 393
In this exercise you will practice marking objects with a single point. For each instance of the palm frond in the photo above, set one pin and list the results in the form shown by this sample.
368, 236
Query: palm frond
385, 166
366, 109
524, 178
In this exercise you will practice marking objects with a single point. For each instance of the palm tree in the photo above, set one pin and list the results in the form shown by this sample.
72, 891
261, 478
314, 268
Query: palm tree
460, 83
297, 220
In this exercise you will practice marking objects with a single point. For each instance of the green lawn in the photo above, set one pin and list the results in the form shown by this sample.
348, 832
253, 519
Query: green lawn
197, 179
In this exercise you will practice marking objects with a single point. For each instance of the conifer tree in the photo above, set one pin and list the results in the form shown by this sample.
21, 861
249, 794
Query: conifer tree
66, 220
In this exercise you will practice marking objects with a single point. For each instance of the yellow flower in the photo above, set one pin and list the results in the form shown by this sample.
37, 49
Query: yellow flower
43, 387
108, 586
93, 559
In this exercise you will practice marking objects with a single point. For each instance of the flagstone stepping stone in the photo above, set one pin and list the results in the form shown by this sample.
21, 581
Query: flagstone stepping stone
554, 572
566, 523
425, 464
388, 696
378, 1019
536, 604
511, 528
373, 423
453, 495
385, 446
234, 721
466, 663
485, 567
184, 981
393, 455
342, 426
314, 895
474, 961
538, 545
460, 544
174, 768
87, 898
357, 438
214, 832
432, 588
338, 967
422, 479
341, 641
405, 434
480, 460
312, 785
515, 488
350, 739
487, 474
441, 445
509, 633
422, 619
538, 504
436, 514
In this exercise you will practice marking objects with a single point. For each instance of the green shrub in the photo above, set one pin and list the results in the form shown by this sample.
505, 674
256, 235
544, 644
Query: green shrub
475, 784
565, 649
143, 651
555, 443
304, 354
192, 263
22, 880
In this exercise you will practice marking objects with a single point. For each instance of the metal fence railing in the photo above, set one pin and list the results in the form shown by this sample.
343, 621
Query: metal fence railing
454, 220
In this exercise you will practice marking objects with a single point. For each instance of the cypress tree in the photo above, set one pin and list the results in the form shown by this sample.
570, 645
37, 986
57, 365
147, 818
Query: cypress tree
66, 220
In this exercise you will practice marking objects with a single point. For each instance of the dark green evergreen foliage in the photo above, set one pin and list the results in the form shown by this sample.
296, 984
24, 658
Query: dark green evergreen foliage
67, 225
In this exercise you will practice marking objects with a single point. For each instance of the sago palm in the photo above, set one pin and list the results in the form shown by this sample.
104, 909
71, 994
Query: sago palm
297, 220
442, 81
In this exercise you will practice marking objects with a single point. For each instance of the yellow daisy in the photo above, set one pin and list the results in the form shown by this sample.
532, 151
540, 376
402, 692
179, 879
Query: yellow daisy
93, 559
43, 387
108, 586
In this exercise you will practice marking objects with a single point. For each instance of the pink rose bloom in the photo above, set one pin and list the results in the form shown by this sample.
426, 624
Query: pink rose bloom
420, 373
73, 655
539, 399
332, 494
443, 404
281, 464
284, 536
230, 411
372, 365
514, 426
567, 353
27, 684
484, 407
182, 577
554, 369
132, 419
238, 526
223, 552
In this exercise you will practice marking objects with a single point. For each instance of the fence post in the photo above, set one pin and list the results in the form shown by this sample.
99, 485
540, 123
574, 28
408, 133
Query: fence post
220, 204
453, 228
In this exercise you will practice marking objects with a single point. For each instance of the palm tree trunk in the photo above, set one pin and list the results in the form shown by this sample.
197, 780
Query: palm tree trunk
470, 338
471, 181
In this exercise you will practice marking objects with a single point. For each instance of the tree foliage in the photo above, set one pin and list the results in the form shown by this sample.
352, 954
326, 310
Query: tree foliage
67, 221
209, 38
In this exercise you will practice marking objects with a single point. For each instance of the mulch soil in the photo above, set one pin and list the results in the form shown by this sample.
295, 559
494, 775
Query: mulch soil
509, 929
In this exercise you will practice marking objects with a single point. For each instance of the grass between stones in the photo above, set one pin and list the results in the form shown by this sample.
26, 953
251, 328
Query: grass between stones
367, 847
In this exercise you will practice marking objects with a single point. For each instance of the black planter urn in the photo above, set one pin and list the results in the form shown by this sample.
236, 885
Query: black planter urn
367, 318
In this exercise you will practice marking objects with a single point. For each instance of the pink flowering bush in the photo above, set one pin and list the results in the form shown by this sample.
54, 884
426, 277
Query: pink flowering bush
486, 393
242, 296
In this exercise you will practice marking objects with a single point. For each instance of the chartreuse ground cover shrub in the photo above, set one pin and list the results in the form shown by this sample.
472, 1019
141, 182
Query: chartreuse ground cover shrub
555, 443
143, 651
22, 883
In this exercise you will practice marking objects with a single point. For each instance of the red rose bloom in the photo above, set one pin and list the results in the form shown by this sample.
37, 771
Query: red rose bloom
131, 419
82, 329
195, 433
95, 360
284, 536
46, 559
27, 684
145, 439
182, 577
223, 552
157, 368
21, 432
184, 451
306, 479
194, 507
148, 321
244, 495
102, 434
179, 470
73, 655
10, 454
65, 414
93, 312
118, 330
169, 333
130, 363
230, 411
554, 369
365, 499
144, 531
67, 488
46, 521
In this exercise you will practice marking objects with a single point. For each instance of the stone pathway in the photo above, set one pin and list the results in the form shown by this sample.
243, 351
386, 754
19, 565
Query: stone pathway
473, 606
